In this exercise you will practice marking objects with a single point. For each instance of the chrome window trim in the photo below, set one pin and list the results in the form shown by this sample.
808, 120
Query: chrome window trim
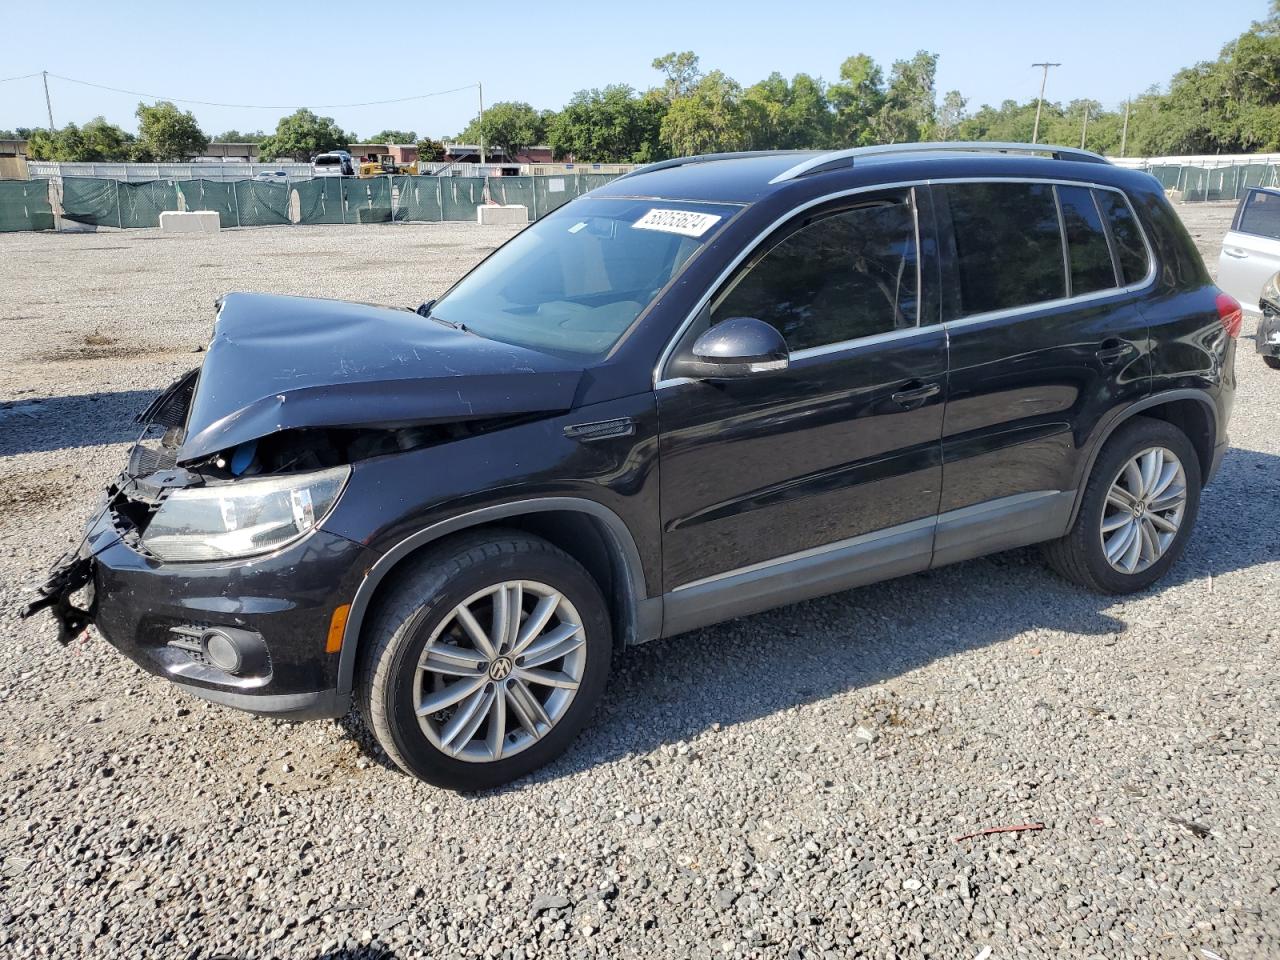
660, 383
1062, 242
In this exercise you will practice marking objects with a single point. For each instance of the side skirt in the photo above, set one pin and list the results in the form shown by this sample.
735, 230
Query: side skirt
882, 555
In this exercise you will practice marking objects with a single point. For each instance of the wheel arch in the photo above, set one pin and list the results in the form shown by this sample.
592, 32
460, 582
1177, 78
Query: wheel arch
587, 530
1191, 411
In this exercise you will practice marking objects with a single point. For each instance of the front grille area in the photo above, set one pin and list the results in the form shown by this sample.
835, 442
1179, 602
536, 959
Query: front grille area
156, 449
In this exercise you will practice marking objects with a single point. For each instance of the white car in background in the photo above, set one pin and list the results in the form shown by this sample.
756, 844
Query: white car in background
1251, 248
1249, 263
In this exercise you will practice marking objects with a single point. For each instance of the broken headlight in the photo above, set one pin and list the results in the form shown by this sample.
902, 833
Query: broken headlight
242, 518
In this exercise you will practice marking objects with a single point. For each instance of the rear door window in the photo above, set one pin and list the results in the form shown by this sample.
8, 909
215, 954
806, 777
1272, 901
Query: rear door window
1088, 253
1261, 215
1008, 245
1131, 250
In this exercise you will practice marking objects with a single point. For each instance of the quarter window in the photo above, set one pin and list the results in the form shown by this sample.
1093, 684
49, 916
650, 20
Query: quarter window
1088, 253
1008, 245
838, 277
1131, 251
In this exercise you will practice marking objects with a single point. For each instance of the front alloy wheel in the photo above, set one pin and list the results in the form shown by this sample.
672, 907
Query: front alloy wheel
500, 671
484, 659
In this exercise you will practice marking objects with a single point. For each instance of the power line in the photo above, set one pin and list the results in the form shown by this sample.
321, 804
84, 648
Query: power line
25, 76
258, 106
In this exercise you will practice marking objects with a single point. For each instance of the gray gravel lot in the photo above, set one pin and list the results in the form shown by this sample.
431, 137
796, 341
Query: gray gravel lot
787, 785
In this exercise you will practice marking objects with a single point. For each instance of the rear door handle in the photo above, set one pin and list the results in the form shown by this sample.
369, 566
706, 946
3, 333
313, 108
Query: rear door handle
914, 394
1114, 350
1236, 252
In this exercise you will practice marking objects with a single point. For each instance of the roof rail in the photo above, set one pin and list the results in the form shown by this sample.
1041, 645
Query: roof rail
707, 158
840, 159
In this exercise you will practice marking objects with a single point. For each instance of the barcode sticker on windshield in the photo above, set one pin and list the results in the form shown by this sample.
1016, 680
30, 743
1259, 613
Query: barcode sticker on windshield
684, 222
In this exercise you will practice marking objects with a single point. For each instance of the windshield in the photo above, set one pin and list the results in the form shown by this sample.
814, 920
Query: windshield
578, 278
327, 160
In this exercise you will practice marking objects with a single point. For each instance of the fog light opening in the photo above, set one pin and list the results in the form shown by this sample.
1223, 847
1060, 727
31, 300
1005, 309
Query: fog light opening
223, 652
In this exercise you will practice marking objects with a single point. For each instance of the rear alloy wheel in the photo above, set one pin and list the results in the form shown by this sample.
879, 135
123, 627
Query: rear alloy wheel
1139, 506
1144, 510
484, 660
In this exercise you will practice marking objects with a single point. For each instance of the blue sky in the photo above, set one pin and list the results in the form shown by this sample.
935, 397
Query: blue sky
304, 54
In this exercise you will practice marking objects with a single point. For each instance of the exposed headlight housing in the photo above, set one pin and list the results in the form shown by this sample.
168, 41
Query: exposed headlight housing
242, 518
1270, 299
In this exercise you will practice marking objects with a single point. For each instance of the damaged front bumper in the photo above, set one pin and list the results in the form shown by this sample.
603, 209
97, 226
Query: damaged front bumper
1267, 339
70, 575
160, 615
251, 633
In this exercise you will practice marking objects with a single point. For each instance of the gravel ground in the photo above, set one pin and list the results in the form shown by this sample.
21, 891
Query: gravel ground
788, 785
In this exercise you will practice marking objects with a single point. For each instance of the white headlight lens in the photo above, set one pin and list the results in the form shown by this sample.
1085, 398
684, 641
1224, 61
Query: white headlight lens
1271, 290
242, 518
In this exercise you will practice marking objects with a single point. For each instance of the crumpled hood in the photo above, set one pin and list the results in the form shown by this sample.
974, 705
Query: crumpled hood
278, 363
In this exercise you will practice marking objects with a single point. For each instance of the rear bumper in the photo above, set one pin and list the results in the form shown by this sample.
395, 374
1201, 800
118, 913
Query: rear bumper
155, 613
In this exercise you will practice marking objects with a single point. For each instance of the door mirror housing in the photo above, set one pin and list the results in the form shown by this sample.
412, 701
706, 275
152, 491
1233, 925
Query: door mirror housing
736, 347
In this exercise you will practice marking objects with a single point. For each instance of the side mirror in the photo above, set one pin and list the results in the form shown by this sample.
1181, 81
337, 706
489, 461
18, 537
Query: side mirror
737, 347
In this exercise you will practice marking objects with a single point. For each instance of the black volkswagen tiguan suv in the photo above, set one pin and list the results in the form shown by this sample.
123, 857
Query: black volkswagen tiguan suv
717, 385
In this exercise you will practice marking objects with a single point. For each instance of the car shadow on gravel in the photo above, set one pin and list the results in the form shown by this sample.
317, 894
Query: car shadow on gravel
675, 689
63, 423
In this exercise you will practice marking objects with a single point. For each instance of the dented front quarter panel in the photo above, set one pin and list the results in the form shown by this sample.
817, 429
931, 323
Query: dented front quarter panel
279, 363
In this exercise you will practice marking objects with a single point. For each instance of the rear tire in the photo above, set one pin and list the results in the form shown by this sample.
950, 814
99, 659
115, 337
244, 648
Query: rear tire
1139, 507
481, 629
1270, 361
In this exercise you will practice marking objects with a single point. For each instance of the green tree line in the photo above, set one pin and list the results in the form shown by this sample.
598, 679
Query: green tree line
1227, 105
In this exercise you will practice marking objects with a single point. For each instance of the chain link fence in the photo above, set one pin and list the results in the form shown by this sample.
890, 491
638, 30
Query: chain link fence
102, 202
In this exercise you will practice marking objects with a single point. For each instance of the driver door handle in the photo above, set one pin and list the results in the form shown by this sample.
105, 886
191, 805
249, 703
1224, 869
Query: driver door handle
1236, 252
914, 393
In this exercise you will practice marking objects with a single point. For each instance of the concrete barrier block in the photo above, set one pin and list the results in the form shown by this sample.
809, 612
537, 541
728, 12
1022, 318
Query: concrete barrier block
190, 221
506, 215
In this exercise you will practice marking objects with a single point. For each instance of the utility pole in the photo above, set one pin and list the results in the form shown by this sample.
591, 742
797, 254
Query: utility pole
1035, 134
1124, 131
1084, 128
47, 102
480, 87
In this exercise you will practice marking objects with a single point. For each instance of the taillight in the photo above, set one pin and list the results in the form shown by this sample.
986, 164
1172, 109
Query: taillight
1230, 315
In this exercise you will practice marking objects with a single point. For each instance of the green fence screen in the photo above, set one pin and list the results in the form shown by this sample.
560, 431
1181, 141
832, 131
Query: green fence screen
142, 203
320, 200
368, 200
238, 203
260, 204
461, 197
24, 205
90, 200
214, 195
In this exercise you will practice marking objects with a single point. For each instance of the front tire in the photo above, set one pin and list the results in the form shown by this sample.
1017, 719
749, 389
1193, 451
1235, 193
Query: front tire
485, 659
1139, 507
1270, 361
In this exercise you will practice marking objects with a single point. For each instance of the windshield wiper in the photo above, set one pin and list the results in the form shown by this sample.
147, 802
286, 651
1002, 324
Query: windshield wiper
424, 310
462, 327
